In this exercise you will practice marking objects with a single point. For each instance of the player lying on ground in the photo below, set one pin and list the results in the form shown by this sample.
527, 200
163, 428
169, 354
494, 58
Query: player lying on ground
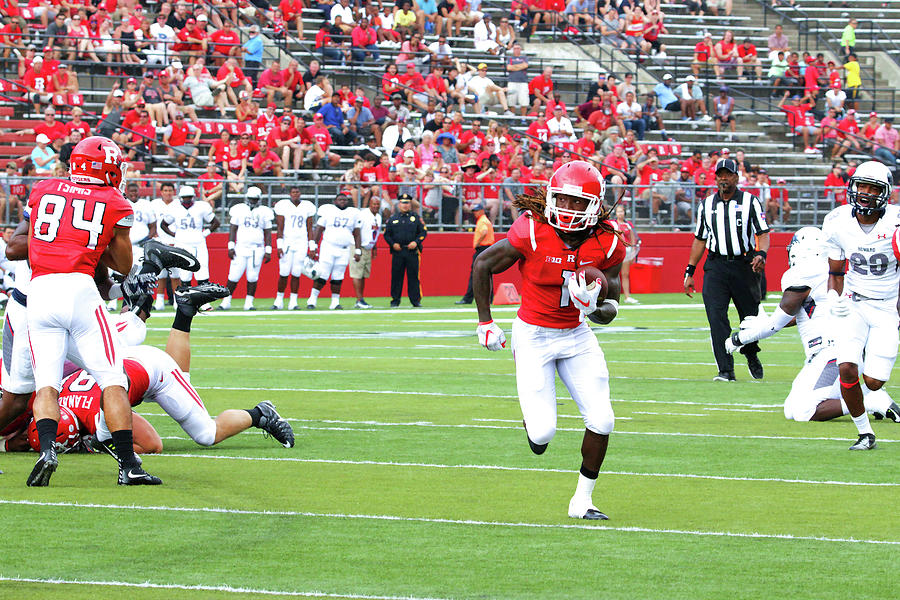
161, 377
815, 393
561, 231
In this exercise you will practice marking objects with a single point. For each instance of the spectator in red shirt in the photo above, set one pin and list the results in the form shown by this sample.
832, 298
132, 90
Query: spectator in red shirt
615, 167
226, 41
193, 40
848, 135
292, 10
272, 82
800, 120
540, 89
836, 184
321, 142
232, 74
286, 139
176, 137
829, 132
364, 42
870, 128
53, 129
37, 82
266, 163
703, 54
77, 123
778, 209
211, 184
748, 58
143, 138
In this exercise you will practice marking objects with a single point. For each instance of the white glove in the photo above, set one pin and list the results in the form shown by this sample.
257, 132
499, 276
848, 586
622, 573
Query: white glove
585, 300
491, 336
729, 345
840, 306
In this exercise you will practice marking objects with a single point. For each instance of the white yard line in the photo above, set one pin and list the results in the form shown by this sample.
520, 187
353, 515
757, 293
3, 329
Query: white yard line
204, 588
464, 522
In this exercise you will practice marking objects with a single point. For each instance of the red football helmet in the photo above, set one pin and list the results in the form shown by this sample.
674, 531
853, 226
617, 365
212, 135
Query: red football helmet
67, 433
97, 160
575, 178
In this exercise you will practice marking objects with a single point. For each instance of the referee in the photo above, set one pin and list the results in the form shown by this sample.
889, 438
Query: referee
726, 224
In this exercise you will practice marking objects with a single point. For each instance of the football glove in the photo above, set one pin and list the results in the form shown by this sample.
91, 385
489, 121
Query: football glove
840, 306
491, 336
730, 346
584, 299
137, 284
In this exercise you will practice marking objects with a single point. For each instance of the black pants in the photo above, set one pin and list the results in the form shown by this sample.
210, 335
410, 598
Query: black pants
405, 261
469, 296
725, 281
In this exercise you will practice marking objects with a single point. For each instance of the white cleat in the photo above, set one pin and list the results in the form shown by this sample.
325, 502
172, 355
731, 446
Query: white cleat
581, 508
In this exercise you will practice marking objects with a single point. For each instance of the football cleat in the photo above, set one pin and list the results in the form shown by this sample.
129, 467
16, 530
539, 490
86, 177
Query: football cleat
190, 299
93, 444
892, 413
276, 307
362, 304
167, 257
310, 307
336, 307
866, 441
273, 424
43, 469
137, 476
724, 376
754, 366
581, 508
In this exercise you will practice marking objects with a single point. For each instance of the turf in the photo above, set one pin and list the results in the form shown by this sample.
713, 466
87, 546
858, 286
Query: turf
412, 477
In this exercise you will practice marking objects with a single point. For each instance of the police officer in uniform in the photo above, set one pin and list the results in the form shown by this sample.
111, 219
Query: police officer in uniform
729, 223
404, 233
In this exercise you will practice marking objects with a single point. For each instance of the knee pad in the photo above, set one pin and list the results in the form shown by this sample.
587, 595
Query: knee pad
601, 422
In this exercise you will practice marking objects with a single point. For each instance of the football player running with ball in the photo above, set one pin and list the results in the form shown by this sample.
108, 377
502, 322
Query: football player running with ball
562, 230
864, 300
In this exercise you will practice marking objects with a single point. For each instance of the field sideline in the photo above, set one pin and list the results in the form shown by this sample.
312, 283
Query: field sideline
412, 477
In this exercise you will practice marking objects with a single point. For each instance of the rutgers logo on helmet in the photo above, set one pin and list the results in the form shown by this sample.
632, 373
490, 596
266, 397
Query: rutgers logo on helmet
97, 160
875, 174
577, 178
67, 432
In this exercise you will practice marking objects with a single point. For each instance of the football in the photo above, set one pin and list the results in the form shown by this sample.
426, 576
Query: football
594, 276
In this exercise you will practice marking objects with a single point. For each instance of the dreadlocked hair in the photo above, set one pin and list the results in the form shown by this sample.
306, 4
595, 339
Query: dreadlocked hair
534, 205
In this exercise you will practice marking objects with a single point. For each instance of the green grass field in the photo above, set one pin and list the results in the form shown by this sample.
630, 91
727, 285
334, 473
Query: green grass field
412, 477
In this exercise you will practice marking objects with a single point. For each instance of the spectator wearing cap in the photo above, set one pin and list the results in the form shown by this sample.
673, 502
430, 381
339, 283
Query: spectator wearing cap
37, 83
801, 120
364, 42
733, 265
252, 50
482, 239
651, 117
112, 114
65, 84
484, 35
848, 135
704, 54
690, 96
333, 118
487, 92
404, 233
540, 89
665, 97
192, 40
724, 106
321, 143
362, 122
628, 116
176, 136
42, 155
853, 80
887, 143
162, 38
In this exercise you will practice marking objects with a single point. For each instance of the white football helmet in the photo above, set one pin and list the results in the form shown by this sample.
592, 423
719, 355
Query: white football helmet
806, 245
186, 193
310, 268
254, 194
874, 173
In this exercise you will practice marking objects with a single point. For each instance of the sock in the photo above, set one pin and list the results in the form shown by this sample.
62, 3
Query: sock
226, 302
46, 429
182, 320
255, 416
293, 300
124, 445
862, 423
279, 299
248, 302
586, 484
160, 298
335, 299
313, 296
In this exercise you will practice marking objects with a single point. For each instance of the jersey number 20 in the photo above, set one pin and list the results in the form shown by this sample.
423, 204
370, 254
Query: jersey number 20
49, 218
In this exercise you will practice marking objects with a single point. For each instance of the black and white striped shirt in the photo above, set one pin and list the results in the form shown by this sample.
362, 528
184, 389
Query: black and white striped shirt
728, 228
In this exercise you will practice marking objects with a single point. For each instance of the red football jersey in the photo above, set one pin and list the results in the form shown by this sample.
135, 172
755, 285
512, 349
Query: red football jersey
548, 263
81, 394
71, 225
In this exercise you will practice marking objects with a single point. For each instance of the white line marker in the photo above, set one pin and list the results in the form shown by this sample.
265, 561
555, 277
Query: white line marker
440, 521
204, 588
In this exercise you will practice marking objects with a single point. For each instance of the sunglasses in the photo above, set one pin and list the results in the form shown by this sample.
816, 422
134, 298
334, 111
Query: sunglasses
179, 118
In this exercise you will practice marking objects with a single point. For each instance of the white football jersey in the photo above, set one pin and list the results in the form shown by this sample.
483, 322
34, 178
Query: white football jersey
369, 228
188, 223
144, 215
339, 224
160, 208
295, 217
251, 223
872, 268
812, 318
22, 272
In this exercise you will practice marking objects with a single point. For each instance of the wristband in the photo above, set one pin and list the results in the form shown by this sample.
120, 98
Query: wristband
836, 273
761, 253
358, 251
312, 245
268, 249
736, 338
115, 291
480, 323
689, 270
231, 245
206, 232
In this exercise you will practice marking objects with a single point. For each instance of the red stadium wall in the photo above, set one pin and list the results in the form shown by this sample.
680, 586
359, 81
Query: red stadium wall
448, 257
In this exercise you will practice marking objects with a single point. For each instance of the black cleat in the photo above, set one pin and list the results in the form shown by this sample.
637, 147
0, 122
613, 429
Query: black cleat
595, 515
43, 469
167, 257
273, 424
137, 476
536, 448
463, 301
95, 445
310, 307
754, 366
724, 376
892, 413
866, 441
190, 299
